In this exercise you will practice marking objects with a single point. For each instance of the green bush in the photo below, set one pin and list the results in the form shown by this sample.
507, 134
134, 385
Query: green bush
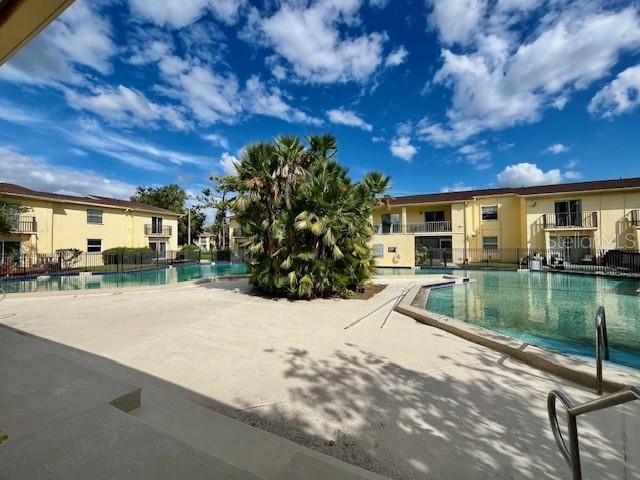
128, 255
190, 248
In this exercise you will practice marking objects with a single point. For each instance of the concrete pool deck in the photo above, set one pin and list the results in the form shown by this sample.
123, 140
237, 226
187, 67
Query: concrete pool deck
387, 393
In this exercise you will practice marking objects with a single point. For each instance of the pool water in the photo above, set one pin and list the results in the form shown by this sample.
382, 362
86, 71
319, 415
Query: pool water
158, 276
555, 311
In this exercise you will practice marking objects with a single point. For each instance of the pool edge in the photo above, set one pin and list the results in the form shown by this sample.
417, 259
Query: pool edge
565, 366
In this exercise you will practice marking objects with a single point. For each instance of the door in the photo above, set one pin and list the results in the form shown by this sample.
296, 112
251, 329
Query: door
156, 225
568, 213
159, 248
9, 248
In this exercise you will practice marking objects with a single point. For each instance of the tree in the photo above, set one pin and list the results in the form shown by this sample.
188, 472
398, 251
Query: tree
9, 214
308, 223
173, 197
219, 199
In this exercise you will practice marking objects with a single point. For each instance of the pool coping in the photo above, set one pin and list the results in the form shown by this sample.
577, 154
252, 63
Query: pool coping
124, 290
569, 367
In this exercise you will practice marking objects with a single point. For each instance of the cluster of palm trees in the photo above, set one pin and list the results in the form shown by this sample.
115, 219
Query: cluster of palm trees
308, 224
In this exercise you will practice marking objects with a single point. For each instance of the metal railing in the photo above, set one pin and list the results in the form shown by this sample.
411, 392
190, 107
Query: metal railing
569, 220
24, 224
634, 218
33, 265
154, 231
602, 346
577, 259
571, 453
412, 228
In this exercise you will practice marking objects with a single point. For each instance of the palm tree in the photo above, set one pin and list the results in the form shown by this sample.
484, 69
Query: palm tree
309, 224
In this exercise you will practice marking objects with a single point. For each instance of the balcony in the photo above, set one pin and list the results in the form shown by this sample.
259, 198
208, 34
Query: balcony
155, 231
634, 218
412, 228
25, 225
561, 221
237, 232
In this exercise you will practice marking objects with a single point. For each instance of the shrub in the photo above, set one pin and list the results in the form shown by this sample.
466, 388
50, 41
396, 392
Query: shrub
128, 255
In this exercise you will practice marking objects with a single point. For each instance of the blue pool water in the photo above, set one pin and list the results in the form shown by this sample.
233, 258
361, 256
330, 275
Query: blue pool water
556, 311
158, 276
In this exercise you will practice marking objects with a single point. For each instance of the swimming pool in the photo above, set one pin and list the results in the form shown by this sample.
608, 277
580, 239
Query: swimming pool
556, 311
158, 276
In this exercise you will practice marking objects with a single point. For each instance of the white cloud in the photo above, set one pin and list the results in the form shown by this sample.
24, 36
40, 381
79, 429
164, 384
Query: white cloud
127, 106
261, 100
310, 39
620, 96
572, 175
14, 114
557, 148
378, 139
348, 118
476, 154
501, 82
80, 36
401, 147
456, 187
137, 153
218, 140
379, 3
185, 12
456, 20
228, 163
528, 174
40, 174
397, 57
212, 97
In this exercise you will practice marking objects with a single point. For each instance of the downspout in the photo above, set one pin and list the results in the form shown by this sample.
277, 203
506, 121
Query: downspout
464, 221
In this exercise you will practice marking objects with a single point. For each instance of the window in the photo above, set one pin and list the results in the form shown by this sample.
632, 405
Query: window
490, 212
490, 243
156, 224
94, 216
94, 245
378, 250
434, 216
389, 222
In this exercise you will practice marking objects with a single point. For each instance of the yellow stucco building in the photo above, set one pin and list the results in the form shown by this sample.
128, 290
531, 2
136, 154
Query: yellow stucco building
90, 224
576, 221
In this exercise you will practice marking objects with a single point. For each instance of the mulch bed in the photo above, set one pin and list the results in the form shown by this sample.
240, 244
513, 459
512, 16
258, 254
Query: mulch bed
368, 291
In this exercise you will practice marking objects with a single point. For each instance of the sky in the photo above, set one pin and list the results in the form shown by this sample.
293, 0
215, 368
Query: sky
440, 95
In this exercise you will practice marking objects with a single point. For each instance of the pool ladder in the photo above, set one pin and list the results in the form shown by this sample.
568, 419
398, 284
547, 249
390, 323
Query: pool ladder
571, 453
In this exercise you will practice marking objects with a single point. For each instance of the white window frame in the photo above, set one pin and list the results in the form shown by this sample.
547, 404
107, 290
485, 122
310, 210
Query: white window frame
93, 246
92, 213
490, 246
482, 213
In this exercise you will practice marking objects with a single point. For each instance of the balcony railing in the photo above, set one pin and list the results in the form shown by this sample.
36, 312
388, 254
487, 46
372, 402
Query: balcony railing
25, 225
634, 218
412, 228
570, 220
154, 231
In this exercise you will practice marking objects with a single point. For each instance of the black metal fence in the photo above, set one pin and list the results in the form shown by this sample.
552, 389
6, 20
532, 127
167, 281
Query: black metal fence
64, 262
559, 259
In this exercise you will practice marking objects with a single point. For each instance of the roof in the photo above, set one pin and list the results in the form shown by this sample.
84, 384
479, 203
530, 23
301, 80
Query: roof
18, 191
524, 191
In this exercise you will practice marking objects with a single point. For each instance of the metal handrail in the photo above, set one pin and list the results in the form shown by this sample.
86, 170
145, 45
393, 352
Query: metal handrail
571, 453
602, 346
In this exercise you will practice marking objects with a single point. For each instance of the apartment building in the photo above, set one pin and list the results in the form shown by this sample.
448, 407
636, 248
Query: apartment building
575, 219
90, 224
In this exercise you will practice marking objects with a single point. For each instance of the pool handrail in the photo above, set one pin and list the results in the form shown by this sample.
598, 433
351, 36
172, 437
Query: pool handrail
571, 454
602, 346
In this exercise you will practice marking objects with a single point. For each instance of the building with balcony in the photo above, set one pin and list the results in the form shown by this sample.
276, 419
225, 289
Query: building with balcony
90, 224
576, 221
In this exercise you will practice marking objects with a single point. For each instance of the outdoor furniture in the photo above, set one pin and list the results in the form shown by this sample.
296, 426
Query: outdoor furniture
557, 262
588, 260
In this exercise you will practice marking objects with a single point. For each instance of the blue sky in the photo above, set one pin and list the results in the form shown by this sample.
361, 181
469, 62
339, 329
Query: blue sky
438, 94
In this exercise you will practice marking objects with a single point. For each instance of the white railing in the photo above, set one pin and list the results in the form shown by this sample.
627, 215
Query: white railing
412, 228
